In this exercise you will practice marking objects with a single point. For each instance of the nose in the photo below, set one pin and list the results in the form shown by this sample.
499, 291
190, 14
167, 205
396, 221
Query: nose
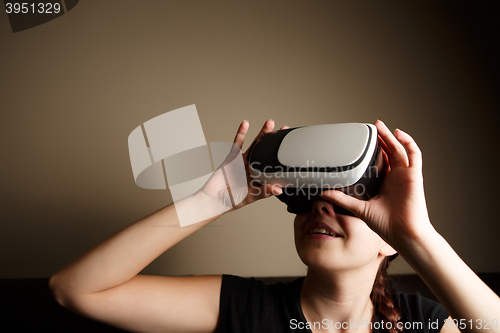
323, 207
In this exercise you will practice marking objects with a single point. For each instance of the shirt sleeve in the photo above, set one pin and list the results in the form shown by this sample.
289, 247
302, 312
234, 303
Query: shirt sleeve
243, 303
421, 314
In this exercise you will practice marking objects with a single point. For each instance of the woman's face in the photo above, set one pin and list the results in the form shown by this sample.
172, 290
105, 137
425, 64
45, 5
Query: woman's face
349, 244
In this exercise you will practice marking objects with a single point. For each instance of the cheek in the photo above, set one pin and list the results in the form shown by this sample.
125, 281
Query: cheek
297, 240
361, 245
298, 237
298, 221
362, 242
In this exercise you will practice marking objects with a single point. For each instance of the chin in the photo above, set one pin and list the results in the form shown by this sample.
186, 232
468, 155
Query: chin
326, 259
319, 259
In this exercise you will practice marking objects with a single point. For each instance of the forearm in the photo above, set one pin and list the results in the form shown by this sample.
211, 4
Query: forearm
122, 256
456, 286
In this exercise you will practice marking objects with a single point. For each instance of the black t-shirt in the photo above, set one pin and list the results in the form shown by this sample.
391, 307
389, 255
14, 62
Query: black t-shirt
248, 305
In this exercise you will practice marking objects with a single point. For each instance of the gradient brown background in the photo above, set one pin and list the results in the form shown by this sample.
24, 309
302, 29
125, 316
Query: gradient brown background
73, 89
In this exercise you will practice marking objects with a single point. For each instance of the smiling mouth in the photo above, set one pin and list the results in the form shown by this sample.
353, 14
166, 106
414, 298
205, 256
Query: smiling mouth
321, 231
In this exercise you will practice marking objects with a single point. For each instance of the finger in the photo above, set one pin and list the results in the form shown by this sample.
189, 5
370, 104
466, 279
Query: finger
414, 153
264, 191
357, 207
386, 163
397, 154
284, 127
240, 135
274, 190
386, 151
266, 128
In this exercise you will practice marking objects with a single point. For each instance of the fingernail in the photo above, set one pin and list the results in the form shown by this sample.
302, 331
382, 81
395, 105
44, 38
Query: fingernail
278, 191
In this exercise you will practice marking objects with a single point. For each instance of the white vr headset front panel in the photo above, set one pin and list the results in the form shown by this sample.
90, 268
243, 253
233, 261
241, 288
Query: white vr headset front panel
321, 147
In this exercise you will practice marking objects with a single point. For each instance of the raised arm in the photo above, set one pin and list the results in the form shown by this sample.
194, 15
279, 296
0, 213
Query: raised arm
103, 283
399, 215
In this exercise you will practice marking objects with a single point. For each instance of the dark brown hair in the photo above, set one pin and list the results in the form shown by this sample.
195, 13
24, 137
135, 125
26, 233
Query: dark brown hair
382, 299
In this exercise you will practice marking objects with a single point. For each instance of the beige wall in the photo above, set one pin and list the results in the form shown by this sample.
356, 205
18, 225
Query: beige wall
73, 89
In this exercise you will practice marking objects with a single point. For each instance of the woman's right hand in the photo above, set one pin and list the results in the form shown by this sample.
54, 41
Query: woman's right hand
232, 170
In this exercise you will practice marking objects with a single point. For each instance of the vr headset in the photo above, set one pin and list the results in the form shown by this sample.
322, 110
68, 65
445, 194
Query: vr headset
304, 161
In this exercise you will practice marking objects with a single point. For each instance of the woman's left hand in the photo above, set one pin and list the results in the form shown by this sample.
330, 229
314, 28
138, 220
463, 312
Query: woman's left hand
399, 212
399, 215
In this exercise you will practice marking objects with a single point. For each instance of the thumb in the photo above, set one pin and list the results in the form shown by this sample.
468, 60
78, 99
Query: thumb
270, 190
261, 192
355, 206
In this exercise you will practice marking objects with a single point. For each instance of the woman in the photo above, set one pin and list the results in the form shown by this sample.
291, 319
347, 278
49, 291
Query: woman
343, 268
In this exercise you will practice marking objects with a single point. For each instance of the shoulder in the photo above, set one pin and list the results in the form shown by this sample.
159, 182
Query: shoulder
417, 304
241, 285
253, 292
240, 295
249, 305
420, 312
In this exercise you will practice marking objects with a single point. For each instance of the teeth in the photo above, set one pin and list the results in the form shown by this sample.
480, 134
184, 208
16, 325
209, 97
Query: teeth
320, 231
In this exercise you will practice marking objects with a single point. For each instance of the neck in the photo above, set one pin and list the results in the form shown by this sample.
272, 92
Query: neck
338, 296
